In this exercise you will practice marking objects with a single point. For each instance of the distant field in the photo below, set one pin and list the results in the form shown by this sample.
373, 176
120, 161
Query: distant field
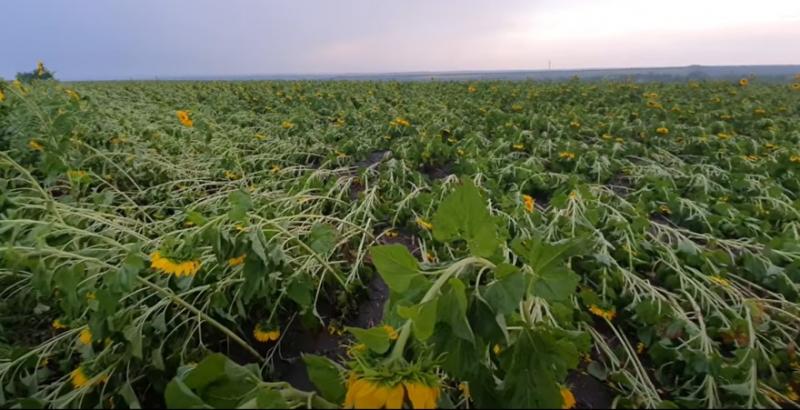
371, 244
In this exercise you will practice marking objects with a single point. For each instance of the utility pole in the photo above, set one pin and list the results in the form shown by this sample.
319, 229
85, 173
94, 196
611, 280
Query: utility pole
549, 65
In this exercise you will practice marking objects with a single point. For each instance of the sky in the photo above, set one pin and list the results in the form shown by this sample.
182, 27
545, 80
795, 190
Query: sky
121, 39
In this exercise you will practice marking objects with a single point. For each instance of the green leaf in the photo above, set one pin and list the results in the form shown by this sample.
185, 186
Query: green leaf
227, 393
326, 377
396, 265
504, 294
134, 336
240, 203
127, 393
196, 218
556, 284
179, 396
209, 370
537, 365
270, 399
464, 215
300, 291
597, 370
322, 238
423, 317
455, 315
376, 338
543, 256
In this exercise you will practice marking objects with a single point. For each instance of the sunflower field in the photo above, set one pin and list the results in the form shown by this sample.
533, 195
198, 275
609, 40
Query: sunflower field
401, 245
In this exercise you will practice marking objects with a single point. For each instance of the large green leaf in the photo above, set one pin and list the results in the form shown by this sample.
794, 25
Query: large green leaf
322, 238
454, 311
326, 377
556, 284
505, 293
423, 317
464, 215
209, 370
179, 396
396, 265
537, 366
376, 338
240, 203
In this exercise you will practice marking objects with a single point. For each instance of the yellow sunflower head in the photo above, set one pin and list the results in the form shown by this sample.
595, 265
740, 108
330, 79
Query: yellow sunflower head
78, 378
265, 336
567, 398
529, 202
184, 119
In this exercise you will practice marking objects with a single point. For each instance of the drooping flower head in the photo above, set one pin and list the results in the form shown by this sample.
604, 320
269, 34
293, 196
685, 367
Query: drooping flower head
567, 398
266, 336
178, 269
183, 117
529, 202
78, 378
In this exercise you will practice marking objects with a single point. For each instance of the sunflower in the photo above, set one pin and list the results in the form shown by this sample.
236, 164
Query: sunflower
287, 125
236, 261
664, 209
265, 336
471, 89
795, 86
424, 224
654, 104
529, 202
575, 124
76, 174
230, 175
85, 337
183, 117
744, 82
35, 145
497, 349
366, 394
39, 68
759, 111
795, 159
518, 147
179, 269
370, 394
662, 130
78, 378
2, 96
58, 325
567, 155
600, 312
400, 122
391, 331
567, 398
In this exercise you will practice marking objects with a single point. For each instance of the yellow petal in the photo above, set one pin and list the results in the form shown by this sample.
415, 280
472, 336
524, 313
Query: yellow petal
421, 396
371, 396
395, 398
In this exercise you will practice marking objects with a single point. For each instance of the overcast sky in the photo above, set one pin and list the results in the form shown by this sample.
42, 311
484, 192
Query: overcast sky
105, 39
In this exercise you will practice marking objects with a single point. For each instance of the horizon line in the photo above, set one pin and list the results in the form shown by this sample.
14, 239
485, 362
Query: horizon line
425, 72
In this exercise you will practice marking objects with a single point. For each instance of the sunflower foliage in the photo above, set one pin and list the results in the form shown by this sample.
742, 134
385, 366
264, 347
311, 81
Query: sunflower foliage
530, 236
